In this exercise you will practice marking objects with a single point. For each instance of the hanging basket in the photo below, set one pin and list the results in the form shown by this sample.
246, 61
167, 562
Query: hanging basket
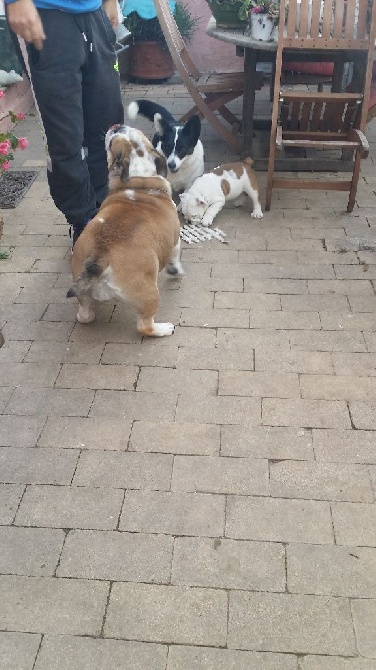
263, 28
226, 14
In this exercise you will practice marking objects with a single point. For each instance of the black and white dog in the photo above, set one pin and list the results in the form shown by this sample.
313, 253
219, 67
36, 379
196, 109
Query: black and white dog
179, 144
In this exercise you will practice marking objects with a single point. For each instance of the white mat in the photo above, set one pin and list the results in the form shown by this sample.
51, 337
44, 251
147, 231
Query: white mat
192, 233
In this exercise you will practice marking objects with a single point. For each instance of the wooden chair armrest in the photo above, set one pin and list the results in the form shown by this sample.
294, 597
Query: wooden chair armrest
357, 136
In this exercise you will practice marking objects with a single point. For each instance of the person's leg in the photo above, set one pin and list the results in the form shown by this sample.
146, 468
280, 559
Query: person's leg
56, 73
102, 104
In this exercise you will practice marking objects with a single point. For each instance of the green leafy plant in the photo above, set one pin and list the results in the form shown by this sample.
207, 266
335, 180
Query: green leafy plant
149, 30
264, 8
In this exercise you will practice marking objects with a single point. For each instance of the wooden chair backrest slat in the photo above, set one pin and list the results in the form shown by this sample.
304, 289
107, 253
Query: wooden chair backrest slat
319, 116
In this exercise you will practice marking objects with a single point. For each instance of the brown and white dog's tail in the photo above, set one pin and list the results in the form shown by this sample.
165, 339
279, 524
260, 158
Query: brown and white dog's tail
83, 283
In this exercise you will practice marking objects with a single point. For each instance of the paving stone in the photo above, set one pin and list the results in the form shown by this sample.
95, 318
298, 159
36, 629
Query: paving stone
97, 333
283, 320
215, 359
10, 496
84, 433
14, 350
64, 352
354, 524
332, 570
49, 605
197, 382
167, 614
278, 520
57, 402
281, 286
364, 616
363, 415
320, 481
277, 271
336, 663
214, 318
39, 330
348, 321
23, 312
70, 507
312, 362
18, 650
205, 474
97, 376
134, 405
5, 394
219, 409
290, 623
314, 303
128, 557
175, 438
173, 513
59, 652
134, 354
117, 469
326, 340
18, 431
266, 442
336, 387
228, 564
344, 446
341, 287
257, 338
356, 365
307, 413
37, 466
261, 384
205, 658
29, 551
258, 302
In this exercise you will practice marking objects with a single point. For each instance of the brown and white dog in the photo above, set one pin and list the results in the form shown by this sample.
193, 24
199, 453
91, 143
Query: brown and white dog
135, 234
209, 193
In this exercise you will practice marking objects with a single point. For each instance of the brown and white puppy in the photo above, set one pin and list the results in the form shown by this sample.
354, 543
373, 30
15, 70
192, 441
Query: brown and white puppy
209, 193
135, 234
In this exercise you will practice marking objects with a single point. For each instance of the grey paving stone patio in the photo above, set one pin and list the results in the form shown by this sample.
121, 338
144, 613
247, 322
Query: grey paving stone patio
205, 501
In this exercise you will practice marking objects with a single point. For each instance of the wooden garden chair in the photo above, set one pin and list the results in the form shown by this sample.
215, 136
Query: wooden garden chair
209, 91
320, 120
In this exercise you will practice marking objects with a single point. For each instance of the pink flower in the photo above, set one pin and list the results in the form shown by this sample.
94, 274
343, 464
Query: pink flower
257, 10
23, 143
4, 147
5, 165
2, 94
20, 117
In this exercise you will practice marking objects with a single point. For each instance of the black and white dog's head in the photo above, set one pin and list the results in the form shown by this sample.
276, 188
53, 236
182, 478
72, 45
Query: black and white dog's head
180, 144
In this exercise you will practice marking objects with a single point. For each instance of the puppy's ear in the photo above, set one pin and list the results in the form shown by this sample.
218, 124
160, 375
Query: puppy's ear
191, 129
160, 124
202, 201
160, 165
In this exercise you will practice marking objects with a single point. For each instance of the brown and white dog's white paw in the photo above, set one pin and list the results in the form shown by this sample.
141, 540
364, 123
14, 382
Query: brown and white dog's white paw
257, 214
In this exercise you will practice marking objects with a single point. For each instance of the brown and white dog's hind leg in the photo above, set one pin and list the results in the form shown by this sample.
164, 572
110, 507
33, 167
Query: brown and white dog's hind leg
147, 308
85, 312
174, 266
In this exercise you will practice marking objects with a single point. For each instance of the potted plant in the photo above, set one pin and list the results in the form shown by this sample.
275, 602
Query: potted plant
226, 13
263, 18
149, 57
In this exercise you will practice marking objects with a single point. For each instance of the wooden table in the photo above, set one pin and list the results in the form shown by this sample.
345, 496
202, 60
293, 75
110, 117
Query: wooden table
256, 51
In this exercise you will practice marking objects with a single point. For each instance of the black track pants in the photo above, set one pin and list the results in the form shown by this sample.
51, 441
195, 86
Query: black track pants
78, 93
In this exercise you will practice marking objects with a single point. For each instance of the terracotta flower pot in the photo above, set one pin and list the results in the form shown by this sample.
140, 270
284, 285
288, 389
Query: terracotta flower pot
150, 61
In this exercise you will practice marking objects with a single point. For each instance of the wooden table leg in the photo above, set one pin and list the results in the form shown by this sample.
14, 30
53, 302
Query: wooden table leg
250, 62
